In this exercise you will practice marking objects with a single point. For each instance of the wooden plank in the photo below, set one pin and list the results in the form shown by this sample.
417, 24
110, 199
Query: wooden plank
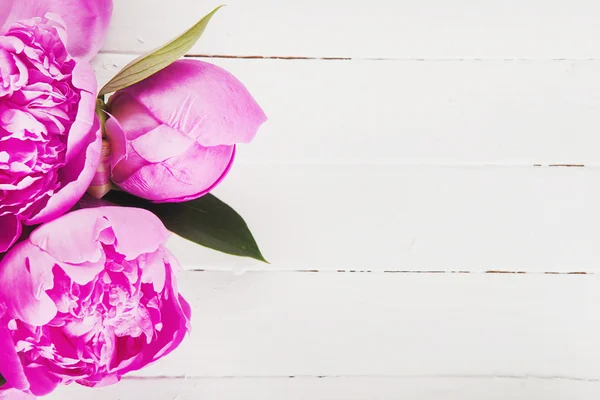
267, 324
358, 388
360, 182
378, 28
401, 218
469, 112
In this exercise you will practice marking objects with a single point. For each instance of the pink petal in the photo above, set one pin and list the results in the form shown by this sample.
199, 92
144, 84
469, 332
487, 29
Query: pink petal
83, 78
138, 231
10, 364
134, 118
15, 394
5, 7
200, 100
176, 325
69, 239
209, 189
118, 143
161, 143
83, 273
105, 380
178, 178
86, 20
42, 382
176, 322
10, 232
27, 270
186, 308
154, 271
124, 160
78, 173
73, 238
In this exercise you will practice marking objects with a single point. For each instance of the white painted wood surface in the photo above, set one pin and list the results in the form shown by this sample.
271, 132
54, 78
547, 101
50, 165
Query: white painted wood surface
397, 29
355, 388
459, 334
458, 138
388, 325
418, 112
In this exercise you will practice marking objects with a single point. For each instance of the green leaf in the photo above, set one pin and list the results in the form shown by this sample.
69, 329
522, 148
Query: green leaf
2, 381
156, 60
206, 221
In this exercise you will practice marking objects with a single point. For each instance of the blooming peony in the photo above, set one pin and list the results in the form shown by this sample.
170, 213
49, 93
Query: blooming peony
49, 135
87, 298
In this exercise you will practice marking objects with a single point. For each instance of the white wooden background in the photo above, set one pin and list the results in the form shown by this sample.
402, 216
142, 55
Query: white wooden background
427, 190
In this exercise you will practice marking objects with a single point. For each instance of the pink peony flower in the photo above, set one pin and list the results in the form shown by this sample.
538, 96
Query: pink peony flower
49, 134
86, 20
173, 135
88, 298
14, 394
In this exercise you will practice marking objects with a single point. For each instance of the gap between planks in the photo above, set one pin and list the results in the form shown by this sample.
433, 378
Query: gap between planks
341, 58
401, 59
242, 271
285, 377
417, 163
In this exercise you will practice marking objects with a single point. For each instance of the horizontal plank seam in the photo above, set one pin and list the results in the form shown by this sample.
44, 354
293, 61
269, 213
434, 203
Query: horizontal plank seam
400, 59
361, 376
400, 163
244, 270
341, 58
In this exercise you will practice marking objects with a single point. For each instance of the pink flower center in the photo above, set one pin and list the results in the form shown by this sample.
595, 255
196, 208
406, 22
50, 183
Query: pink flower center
100, 327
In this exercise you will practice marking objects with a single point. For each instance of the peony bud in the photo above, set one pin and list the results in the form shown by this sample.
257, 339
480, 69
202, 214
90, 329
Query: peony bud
173, 135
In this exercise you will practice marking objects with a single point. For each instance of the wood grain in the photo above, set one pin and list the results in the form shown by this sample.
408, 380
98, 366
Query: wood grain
411, 112
357, 388
433, 166
422, 218
273, 324
397, 29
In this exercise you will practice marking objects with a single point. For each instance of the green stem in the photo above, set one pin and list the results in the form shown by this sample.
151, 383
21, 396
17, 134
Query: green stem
102, 116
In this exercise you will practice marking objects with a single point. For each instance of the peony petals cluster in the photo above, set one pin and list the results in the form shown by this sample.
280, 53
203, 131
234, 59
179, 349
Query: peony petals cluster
173, 135
86, 21
97, 298
49, 134
90, 295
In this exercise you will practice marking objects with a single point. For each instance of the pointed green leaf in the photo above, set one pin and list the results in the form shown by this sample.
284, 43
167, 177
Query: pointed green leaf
156, 60
2, 381
206, 221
